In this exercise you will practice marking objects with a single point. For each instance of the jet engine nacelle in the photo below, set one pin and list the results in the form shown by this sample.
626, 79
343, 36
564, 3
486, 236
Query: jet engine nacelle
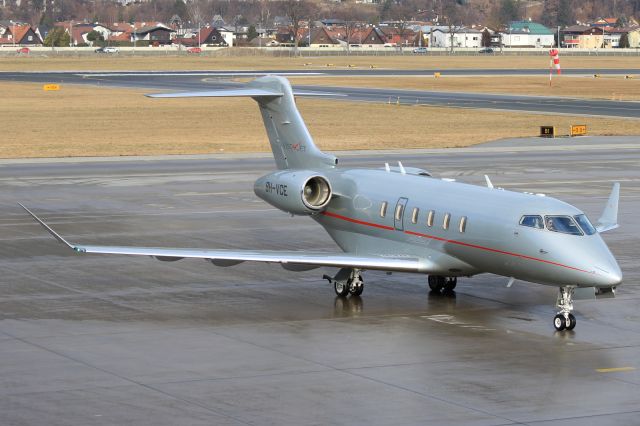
302, 192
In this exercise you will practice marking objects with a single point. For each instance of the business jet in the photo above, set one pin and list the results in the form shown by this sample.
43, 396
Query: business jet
403, 219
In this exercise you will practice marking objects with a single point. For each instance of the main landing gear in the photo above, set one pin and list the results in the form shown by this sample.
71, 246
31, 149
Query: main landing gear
440, 284
565, 320
347, 281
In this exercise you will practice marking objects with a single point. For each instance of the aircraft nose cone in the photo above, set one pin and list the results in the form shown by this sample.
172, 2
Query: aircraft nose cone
611, 275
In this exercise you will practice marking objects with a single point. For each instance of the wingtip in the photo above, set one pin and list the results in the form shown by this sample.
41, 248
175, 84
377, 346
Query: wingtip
49, 229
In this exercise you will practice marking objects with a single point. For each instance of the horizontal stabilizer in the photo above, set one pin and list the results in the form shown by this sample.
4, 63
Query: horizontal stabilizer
230, 93
246, 92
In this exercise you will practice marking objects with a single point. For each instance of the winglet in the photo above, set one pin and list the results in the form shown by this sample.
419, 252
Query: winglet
609, 218
51, 231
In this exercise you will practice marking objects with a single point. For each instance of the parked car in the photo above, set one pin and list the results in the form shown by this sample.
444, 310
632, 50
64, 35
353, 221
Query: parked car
420, 50
486, 50
24, 50
107, 49
194, 50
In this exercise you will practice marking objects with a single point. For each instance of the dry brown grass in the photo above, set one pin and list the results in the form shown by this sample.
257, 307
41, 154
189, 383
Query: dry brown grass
89, 121
125, 61
606, 87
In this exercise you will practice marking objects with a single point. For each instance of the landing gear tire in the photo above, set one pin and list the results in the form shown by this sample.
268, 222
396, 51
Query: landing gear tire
565, 320
450, 284
436, 283
560, 322
571, 322
341, 288
356, 285
440, 284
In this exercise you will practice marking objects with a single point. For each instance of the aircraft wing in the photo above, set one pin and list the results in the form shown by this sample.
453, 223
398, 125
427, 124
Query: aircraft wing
292, 260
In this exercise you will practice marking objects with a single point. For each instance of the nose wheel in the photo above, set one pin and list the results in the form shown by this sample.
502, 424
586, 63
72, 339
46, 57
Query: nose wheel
565, 320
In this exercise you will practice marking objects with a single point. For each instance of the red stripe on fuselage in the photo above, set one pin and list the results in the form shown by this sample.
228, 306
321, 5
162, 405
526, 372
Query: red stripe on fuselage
433, 237
359, 222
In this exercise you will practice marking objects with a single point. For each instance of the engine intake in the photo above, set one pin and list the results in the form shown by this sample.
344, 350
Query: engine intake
316, 193
300, 192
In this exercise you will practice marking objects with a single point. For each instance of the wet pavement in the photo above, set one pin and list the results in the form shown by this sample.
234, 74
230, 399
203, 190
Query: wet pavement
120, 340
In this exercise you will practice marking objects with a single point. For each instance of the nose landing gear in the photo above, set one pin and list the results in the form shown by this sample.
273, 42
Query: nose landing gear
565, 320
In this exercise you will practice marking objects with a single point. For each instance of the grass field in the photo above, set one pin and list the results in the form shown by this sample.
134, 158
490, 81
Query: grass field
605, 87
90, 121
87, 62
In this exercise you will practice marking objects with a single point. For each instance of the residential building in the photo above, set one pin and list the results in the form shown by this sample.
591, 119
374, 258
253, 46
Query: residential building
20, 34
443, 36
528, 34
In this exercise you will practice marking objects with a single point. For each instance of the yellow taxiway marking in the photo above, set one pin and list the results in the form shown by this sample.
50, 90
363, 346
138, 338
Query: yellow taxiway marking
614, 370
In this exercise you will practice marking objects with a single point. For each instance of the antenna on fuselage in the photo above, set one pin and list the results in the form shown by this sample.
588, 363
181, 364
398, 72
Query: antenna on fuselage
489, 184
401, 167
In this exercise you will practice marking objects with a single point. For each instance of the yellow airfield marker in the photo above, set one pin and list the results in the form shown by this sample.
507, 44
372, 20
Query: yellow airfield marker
50, 87
614, 370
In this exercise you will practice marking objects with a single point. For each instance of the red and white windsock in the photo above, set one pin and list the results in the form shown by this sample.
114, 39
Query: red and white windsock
555, 58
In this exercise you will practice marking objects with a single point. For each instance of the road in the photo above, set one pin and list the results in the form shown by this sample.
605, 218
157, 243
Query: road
119, 340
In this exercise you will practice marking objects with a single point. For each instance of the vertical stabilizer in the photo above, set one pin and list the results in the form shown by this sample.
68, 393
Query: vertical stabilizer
290, 140
291, 143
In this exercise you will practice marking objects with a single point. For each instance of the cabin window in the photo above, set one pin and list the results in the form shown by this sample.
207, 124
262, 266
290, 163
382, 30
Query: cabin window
562, 224
463, 224
414, 215
430, 217
398, 214
447, 219
383, 209
532, 221
585, 224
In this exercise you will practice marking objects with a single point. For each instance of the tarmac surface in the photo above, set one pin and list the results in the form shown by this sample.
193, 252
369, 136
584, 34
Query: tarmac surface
199, 80
90, 339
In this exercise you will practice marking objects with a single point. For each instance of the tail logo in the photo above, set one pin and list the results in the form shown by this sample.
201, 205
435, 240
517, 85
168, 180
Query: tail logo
295, 147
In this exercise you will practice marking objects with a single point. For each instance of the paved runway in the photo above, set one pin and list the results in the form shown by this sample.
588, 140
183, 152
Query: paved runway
119, 340
215, 80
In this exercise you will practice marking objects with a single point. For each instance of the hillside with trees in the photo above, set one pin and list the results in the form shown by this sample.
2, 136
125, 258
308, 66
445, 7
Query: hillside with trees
262, 12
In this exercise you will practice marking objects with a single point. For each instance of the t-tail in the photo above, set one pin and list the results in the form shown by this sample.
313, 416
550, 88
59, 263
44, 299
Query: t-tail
291, 143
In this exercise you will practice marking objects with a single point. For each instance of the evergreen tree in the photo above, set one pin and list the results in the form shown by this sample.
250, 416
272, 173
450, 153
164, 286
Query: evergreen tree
565, 14
624, 41
252, 33
486, 38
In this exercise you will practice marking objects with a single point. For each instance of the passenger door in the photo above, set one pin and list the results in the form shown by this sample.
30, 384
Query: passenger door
398, 214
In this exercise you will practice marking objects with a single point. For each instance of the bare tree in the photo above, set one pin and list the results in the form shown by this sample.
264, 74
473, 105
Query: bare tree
296, 11
451, 16
352, 16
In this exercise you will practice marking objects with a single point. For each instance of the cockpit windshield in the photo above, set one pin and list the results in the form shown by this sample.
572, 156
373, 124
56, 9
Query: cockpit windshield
562, 224
585, 224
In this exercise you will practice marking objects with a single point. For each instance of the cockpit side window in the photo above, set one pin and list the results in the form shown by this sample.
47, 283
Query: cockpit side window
562, 224
585, 224
532, 221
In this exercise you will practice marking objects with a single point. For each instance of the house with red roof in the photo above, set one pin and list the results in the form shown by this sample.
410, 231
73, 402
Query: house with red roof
20, 34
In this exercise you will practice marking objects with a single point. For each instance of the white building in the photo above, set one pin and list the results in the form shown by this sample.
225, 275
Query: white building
461, 37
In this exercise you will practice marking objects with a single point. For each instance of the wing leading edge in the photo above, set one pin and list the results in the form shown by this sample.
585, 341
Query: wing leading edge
292, 260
